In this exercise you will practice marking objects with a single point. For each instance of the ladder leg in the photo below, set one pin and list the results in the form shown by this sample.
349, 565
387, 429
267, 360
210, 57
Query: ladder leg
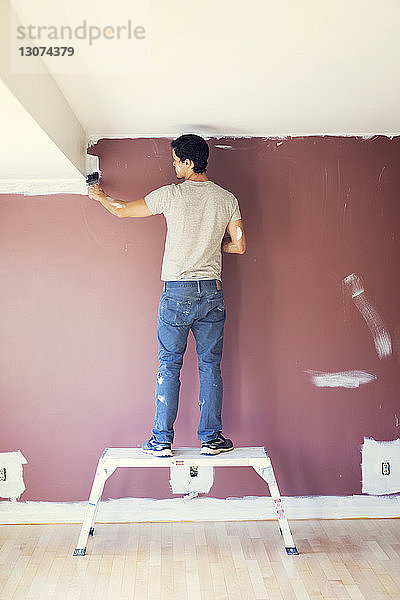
267, 473
96, 509
100, 478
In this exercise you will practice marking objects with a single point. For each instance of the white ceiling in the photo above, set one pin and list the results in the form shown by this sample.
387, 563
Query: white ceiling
261, 68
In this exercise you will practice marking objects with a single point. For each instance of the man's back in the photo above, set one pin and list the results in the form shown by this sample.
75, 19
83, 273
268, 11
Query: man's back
197, 214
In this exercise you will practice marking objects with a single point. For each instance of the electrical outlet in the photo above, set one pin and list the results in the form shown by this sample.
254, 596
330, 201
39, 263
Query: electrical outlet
3, 474
386, 467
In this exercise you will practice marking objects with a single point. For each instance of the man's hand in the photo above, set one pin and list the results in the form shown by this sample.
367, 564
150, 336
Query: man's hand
96, 193
115, 208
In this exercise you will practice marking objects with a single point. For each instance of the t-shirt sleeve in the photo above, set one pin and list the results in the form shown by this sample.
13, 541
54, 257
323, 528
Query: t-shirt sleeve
158, 200
235, 214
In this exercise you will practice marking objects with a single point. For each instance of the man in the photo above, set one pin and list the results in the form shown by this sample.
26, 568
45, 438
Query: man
199, 213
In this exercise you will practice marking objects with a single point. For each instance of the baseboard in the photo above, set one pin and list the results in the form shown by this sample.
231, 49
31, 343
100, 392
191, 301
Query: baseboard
203, 509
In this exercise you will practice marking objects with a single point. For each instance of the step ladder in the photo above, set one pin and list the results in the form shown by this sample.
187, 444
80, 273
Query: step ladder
113, 458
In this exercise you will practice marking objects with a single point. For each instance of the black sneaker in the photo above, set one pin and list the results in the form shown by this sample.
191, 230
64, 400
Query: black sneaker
157, 448
219, 444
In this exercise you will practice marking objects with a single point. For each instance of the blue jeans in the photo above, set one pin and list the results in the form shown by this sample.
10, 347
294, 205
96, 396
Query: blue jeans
184, 306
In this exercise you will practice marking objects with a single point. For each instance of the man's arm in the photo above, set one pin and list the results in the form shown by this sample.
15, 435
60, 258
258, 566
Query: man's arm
135, 208
237, 244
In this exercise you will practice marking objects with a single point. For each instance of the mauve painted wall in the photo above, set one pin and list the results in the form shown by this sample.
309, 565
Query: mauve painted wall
79, 299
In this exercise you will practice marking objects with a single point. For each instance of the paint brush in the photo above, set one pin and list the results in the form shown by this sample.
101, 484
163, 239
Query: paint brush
92, 178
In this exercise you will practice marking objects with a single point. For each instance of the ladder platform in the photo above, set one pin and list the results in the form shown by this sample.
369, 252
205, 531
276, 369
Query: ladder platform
135, 457
113, 458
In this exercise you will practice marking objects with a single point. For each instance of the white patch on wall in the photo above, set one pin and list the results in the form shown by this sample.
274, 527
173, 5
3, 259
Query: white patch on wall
374, 321
347, 379
380, 467
11, 475
186, 479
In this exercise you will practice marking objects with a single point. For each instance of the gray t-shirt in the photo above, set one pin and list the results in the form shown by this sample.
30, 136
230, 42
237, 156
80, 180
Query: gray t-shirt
197, 213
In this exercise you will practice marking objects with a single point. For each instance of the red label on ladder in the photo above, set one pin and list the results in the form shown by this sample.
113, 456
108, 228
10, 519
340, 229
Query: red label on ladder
279, 508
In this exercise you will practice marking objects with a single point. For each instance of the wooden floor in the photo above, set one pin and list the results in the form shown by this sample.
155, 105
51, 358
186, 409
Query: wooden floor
356, 559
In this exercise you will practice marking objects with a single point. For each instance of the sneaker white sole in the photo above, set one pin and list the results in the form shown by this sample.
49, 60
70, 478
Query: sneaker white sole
212, 451
160, 453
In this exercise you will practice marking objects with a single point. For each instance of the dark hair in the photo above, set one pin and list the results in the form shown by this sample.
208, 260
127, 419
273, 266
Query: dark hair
194, 148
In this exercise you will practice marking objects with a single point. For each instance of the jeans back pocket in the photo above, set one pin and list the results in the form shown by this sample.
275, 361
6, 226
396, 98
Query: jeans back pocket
176, 312
214, 310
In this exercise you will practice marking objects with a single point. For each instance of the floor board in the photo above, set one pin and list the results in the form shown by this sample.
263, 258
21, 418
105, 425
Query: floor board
244, 560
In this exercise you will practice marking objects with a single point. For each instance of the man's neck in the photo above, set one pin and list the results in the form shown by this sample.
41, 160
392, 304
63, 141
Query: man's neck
197, 177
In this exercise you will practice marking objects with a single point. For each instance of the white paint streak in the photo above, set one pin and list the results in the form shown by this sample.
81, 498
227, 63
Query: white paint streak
238, 233
89, 229
160, 379
162, 399
354, 285
347, 379
117, 204
221, 146
374, 453
190, 496
370, 315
